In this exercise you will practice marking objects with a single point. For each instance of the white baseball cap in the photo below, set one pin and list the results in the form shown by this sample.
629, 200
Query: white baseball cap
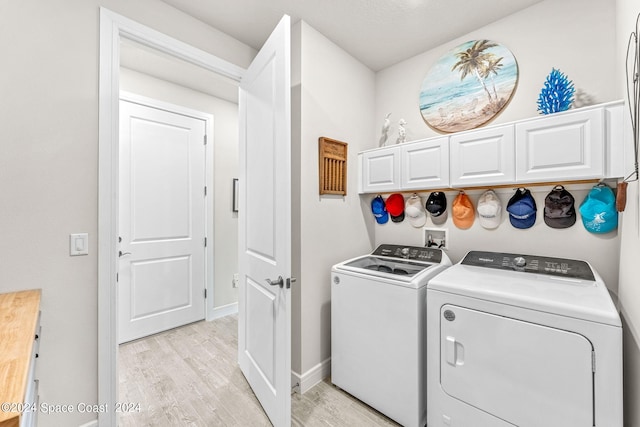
489, 210
414, 212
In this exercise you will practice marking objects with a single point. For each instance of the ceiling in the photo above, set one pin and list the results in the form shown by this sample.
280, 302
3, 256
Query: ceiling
143, 59
378, 33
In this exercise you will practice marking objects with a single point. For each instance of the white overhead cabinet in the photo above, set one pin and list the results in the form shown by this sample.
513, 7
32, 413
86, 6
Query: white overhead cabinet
566, 146
482, 157
418, 165
581, 144
425, 164
380, 170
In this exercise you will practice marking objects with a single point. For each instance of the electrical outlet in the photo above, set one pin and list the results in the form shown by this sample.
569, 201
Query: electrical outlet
436, 238
236, 277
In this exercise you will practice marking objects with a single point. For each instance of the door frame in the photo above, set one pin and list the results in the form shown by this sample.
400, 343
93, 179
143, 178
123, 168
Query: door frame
113, 27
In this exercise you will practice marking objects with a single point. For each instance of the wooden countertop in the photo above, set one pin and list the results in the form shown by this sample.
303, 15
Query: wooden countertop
18, 319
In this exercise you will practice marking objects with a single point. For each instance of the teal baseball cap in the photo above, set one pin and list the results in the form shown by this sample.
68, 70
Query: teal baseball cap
598, 210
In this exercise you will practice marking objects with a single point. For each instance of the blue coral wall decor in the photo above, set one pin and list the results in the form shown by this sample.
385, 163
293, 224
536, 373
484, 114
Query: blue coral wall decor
557, 93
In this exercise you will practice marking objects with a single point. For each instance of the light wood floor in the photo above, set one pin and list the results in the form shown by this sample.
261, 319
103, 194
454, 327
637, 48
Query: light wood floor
189, 376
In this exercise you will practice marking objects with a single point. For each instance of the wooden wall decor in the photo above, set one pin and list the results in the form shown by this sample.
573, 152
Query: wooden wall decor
333, 166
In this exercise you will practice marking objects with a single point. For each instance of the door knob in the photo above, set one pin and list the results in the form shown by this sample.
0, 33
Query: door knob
278, 282
121, 254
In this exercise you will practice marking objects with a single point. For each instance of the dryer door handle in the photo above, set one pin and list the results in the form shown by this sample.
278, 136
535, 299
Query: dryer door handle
454, 352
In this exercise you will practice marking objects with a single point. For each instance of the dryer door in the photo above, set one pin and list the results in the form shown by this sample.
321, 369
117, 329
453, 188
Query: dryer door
520, 372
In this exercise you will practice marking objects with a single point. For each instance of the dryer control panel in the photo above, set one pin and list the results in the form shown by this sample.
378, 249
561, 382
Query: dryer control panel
562, 267
415, 253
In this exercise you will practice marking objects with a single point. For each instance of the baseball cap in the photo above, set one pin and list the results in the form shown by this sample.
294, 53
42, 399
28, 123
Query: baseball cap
463, 212
379, 210
395, 207
559, 211
437, 206
522, 209
489, 210
598, 210
414, 212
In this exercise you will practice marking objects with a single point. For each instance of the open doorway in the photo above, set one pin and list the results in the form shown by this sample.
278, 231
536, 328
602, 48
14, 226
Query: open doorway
204, 94
144, 62
176, 118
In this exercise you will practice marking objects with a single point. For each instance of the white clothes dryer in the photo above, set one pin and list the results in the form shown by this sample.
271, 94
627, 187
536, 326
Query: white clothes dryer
519, 340
378, 336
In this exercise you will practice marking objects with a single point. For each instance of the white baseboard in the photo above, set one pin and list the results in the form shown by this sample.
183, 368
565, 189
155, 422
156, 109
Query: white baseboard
312, 377
222, 311
93, 423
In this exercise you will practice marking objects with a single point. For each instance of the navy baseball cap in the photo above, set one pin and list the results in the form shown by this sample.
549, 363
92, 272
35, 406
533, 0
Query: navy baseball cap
522, 209
379, 210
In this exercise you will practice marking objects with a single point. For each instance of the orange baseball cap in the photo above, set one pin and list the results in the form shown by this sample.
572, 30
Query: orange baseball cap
463, 212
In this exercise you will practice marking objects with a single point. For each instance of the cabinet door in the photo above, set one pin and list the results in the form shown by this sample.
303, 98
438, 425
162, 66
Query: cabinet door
482, 157
568, 146
381, 170
425, 164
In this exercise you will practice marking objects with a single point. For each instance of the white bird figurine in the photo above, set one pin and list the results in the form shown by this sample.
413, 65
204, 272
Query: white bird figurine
402, 133
385, 130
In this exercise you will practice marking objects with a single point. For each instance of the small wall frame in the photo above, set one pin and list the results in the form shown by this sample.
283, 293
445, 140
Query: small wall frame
333, 166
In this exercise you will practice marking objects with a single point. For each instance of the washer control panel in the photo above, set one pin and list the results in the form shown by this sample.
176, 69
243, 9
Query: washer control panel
570, 268
415, 253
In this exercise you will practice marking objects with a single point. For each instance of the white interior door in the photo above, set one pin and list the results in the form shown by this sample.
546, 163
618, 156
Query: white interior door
162, 220
264, 325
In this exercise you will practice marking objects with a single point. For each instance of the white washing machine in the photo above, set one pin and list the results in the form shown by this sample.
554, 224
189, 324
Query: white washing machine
519, 340
378, 336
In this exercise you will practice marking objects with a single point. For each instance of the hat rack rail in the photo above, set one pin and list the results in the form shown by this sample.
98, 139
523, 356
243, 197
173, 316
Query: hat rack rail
497, 186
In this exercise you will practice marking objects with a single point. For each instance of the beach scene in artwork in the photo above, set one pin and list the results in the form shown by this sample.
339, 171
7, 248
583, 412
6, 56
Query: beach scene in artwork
468, 86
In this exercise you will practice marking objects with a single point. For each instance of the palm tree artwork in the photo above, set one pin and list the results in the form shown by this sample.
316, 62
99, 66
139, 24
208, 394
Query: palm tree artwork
468, 86
475, 60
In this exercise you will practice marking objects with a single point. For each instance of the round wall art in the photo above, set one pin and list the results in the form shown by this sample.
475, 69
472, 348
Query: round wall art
468, 86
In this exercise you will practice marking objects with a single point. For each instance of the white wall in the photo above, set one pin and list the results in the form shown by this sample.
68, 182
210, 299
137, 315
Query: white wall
225, 168
335, 93
629, 286
48, 166
575, 36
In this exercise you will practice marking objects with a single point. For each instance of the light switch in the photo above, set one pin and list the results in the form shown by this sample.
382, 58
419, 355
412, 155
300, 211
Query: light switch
79, 244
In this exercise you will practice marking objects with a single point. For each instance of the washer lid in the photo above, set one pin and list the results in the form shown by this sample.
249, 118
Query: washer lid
400, 269
409, 266
555, 292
